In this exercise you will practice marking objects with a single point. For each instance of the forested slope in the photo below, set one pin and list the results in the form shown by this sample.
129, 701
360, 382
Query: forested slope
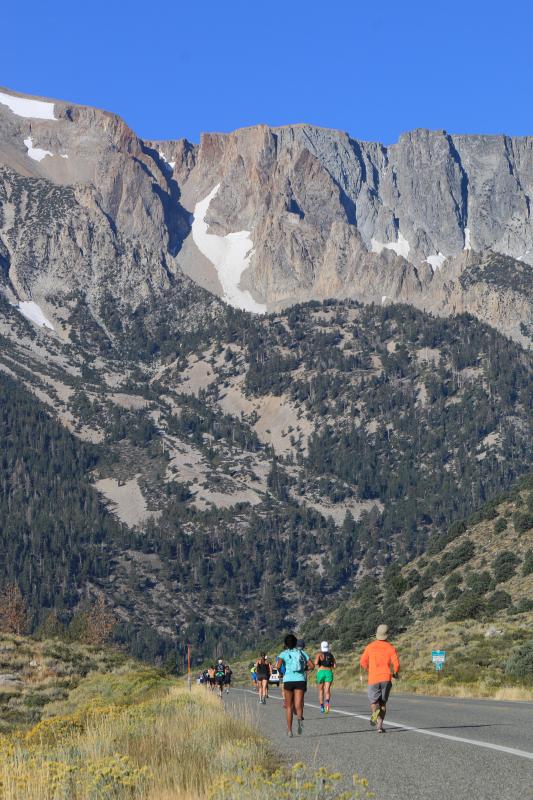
55, 534
274, 460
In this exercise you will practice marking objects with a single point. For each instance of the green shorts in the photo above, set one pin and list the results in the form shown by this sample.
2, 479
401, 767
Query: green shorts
324, 676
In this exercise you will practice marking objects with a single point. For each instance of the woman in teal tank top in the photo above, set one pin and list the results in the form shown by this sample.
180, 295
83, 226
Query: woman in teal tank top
297, 664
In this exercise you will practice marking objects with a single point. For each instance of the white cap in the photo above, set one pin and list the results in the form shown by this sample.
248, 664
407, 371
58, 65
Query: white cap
324, 647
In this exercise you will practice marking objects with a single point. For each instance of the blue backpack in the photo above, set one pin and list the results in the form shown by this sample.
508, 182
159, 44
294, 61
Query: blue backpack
295, 661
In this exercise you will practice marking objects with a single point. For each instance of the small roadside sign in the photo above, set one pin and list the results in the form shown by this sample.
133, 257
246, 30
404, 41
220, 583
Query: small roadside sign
438, 657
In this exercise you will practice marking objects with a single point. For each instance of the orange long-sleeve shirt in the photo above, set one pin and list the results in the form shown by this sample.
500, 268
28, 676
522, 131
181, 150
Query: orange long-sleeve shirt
378, 658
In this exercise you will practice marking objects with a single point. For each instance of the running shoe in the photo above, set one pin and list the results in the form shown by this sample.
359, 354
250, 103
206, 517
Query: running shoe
381, 730
290, 734
327, 708
322, 710
300, 727
374, 716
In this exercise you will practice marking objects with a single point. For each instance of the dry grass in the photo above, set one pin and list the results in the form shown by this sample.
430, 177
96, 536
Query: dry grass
134, 734
475, 665
175, 744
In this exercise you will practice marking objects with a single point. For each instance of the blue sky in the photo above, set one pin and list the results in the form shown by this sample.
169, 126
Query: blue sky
375, 69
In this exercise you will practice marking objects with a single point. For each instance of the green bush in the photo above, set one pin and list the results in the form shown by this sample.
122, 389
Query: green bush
520, 662
522, 521
455, 558
527, 569
523, 605
500, 525
469, 606
504, 566
416, 598
498, 601
479, 582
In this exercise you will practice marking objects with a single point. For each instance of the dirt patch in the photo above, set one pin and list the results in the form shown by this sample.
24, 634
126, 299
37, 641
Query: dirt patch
199, 375
130, 401
338, 510
126, 500
429, 355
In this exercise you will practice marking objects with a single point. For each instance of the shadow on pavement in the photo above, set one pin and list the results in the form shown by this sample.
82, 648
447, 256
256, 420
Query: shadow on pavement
403, 730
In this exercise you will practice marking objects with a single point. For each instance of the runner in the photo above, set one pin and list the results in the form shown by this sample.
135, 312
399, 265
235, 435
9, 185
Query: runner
220, 674
381, 660
325, 664
211, 678
262, 669
297, 663
254, 677
227, 678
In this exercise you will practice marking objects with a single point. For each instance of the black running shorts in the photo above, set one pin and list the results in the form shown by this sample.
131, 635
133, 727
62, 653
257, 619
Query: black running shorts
291, 685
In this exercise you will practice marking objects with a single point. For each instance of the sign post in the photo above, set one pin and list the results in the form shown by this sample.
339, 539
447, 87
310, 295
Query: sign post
439, 659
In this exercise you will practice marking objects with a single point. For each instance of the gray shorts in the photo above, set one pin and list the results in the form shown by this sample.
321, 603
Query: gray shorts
379, 692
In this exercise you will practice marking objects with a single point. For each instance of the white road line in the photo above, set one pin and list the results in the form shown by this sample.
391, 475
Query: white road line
476, 742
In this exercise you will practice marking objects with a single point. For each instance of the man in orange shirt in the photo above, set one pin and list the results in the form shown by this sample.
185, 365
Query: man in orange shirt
381, 660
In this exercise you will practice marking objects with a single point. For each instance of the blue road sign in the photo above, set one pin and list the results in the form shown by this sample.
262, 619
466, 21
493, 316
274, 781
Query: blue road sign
438, 657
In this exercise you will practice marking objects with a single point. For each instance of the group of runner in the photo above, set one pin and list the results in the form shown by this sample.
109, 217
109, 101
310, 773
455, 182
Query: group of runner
293, 664
217, 677
379, 659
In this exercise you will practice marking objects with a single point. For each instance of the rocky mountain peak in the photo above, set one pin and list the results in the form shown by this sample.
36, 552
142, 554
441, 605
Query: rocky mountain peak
322, 214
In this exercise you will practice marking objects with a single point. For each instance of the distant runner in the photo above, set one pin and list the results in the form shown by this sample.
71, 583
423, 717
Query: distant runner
381, 660
220, 675
254, 676
211, 678
262, 670
296, 663
227, 678
325, 664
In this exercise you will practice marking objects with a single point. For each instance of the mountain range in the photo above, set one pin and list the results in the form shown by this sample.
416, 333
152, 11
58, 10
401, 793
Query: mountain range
264, 217
278, 359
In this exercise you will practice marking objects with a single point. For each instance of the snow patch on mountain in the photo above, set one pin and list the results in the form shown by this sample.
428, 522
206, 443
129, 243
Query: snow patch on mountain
467, 246
36, 152
170, 164
229, 254
33, 312
401, 247
27, 108
436, 261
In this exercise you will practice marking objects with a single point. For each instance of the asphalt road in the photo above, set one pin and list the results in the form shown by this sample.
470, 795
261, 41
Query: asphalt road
434, 747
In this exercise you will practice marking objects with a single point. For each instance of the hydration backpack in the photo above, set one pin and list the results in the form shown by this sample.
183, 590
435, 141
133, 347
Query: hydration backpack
295, 661
327, 660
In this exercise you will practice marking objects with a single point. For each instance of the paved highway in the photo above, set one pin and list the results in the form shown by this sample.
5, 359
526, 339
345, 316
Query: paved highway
434, 747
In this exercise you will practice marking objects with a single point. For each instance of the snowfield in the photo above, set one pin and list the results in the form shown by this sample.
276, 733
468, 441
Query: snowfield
436, 261
229, 254
29, 109
401, 247
467, 246
34, 313
35, 152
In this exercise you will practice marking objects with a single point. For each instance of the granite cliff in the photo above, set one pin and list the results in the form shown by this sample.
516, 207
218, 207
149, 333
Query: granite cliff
263, 217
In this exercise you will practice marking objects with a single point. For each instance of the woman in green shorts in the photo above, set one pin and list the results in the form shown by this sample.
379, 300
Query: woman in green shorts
325, 664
